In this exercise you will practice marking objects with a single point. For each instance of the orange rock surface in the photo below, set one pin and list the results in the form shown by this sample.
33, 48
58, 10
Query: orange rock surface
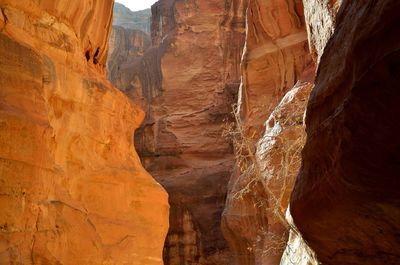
72, 189
187, 82
256, 234
276, 55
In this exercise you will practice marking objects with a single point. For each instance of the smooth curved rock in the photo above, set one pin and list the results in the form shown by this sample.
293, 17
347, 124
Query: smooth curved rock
72, 189
346, 198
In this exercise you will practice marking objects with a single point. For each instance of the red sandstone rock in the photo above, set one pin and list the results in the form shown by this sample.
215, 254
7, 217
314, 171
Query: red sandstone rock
127, 47
187, 82
276, 54
346, 198
72, 189
256, 234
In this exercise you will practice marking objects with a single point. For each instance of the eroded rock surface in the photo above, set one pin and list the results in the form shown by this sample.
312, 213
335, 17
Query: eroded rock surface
182, 139
127, 47
186, 82
346, 198
72, 189
276, 55
256, 233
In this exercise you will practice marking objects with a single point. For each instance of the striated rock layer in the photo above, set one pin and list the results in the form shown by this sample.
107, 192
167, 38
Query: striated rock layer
346, 198
187, 82
72, 189
276, 55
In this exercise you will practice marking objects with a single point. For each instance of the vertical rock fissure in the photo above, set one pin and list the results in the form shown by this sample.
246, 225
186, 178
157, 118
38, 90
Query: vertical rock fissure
186, 81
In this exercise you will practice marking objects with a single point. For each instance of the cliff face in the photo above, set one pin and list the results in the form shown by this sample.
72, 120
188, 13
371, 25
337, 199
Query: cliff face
127, 47
187, 82
200, 42
72, 188
200, 73
129, 40
137, 20
346, 198
276, 57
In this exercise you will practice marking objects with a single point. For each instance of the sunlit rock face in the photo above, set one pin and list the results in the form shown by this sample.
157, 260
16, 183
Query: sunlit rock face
276, 58
346, 198
187, 82
72, 189
256, 234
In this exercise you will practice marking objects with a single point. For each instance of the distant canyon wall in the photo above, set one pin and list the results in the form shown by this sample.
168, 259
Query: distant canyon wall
277, 74
137, 20
186, 82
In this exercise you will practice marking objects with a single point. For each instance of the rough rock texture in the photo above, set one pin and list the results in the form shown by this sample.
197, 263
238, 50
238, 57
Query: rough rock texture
276, 56
255, 233
127, 47
187, 83
320, 17
346, 198
182, 140
72, 190
138, 20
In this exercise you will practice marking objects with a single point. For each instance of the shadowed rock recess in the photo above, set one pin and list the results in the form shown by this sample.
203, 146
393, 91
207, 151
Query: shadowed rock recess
346, 200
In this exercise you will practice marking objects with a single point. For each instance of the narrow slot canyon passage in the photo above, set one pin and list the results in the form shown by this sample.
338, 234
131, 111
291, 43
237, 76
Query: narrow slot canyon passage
199, 132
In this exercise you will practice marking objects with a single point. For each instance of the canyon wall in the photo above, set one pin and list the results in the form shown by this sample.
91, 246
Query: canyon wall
346, 197
276, 58
129, 40
127, 47
138, 20
345, 204
187, 82
72, 189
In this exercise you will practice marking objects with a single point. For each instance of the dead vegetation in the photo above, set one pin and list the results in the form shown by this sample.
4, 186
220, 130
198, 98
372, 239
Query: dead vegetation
268, 177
